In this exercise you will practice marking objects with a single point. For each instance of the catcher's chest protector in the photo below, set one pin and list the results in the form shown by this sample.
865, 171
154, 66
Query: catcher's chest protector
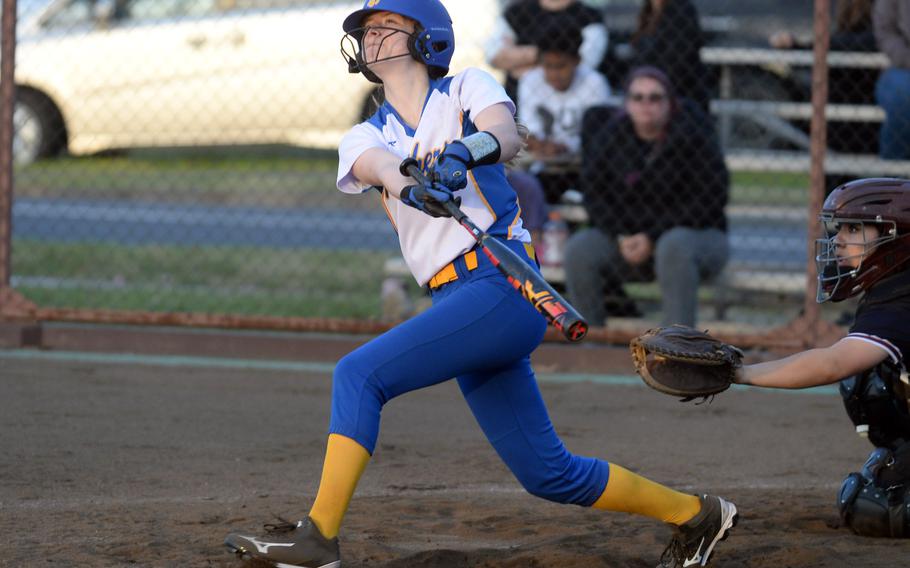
877, 403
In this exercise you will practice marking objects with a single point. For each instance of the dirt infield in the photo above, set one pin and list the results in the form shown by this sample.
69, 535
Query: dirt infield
151, 463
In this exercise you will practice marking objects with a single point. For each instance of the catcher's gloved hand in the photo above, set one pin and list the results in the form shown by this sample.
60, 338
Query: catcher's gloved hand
429, 198
684, 361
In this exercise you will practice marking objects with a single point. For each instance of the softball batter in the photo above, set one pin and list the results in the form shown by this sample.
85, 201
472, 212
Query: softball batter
479, 330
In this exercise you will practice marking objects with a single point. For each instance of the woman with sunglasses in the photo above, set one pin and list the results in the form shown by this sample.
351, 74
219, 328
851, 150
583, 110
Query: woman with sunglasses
655, 187
479, 330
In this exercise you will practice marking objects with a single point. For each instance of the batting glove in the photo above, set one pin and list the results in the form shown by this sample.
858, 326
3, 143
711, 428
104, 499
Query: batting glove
451, 168
429, 198
459, 156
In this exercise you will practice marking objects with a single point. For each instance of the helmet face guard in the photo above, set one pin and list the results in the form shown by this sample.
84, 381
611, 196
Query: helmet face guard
352, 49
838, 279
883, 203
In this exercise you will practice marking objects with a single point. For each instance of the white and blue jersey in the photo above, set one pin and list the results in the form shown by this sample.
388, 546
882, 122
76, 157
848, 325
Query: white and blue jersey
428, 244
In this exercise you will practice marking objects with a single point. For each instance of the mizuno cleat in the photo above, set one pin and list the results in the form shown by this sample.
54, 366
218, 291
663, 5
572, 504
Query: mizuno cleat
694, 541
288, 545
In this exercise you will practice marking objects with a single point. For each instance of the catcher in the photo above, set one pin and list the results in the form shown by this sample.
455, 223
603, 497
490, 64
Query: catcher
866, 249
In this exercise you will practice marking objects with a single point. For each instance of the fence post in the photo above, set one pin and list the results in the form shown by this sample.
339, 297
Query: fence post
817, 148
12, 304
7, 103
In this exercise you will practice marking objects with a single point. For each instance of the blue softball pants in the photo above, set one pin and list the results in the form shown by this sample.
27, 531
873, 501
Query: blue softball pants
482, 332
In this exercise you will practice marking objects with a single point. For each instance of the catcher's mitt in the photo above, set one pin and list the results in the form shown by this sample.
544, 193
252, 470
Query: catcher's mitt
683, 361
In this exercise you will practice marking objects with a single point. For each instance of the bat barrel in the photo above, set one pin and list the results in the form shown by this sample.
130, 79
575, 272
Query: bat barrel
576, 330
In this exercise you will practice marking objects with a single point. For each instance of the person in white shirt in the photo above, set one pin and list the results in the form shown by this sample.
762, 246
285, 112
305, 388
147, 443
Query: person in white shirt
553, 98
556, 94
512, 46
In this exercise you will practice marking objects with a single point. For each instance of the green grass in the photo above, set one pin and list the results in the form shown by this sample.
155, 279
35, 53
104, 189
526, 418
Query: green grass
769, 188
235, 280
309, 283
279, 179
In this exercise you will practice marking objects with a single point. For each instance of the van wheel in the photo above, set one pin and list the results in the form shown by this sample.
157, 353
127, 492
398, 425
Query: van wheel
38, 128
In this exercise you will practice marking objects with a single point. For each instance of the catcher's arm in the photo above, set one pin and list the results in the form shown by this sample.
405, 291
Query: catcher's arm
814, 367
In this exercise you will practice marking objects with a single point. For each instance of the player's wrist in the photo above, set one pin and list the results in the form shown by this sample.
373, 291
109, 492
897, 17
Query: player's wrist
739, 376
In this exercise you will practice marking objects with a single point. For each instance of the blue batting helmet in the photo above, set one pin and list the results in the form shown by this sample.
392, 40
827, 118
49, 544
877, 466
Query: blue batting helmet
434, 41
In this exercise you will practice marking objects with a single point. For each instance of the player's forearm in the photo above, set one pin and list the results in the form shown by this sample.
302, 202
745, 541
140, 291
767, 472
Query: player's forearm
807, 369
381, 168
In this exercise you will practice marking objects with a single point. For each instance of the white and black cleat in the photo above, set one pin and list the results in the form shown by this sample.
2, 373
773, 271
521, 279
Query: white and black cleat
288, 545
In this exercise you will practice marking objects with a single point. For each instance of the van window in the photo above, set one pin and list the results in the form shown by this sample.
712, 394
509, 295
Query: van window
268, 4
161, 9
72, 14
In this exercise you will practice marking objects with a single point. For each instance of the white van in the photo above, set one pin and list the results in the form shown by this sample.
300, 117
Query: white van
96, 75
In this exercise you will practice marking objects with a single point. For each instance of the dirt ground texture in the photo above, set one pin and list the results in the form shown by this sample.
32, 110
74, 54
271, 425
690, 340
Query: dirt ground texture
114, 464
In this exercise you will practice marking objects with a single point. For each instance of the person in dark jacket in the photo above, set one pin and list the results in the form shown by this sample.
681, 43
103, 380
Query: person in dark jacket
669, 37
655, 186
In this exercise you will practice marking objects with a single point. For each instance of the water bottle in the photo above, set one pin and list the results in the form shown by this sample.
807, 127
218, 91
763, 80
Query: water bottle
555, 235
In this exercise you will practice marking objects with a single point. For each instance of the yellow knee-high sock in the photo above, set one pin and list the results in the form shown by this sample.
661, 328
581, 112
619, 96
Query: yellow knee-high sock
632, 493
345, 461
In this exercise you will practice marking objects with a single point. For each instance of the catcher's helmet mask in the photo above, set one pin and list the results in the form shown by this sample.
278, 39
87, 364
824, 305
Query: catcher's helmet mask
829, 255
432, 42
881, 202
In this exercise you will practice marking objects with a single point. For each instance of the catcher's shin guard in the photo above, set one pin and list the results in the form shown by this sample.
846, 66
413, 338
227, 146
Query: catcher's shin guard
870, 510
876, 501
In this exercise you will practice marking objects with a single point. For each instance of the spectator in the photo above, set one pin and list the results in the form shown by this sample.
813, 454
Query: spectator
513, 44
891, 20
846, 85
655, 187
554, 96
669, 37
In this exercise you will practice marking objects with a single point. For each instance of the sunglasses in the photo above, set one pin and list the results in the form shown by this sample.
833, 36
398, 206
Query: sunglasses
647, 97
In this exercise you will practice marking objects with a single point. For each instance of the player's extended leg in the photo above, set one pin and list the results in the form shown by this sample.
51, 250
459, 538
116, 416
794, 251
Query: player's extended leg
509, 408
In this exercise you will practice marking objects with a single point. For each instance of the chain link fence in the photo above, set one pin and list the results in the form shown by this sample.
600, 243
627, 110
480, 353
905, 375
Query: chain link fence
178, 156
